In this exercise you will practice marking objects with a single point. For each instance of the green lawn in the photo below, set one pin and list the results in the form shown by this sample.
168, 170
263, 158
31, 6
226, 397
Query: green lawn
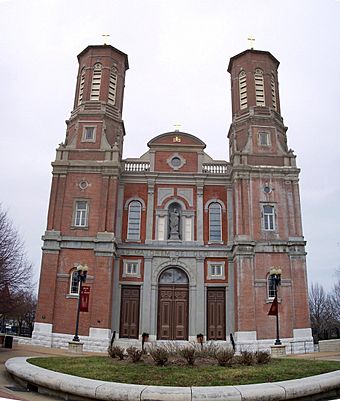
107, 369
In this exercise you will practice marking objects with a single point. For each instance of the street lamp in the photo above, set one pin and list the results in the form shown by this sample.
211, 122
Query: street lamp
275, 277
82, 273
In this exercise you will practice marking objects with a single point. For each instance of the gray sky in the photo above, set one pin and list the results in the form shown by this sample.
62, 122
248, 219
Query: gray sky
178, 53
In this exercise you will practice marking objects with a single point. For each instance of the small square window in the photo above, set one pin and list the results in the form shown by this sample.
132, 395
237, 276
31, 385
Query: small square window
268, 215
80, 215
264, 139
89, 134
131, 268
216, 270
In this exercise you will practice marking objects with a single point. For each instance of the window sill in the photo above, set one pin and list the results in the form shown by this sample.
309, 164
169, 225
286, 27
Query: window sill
72, 296
270, 300
79, 227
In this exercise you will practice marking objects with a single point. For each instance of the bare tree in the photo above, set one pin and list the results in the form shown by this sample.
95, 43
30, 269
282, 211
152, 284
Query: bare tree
23, 312
320, 311
335, 303
15, 270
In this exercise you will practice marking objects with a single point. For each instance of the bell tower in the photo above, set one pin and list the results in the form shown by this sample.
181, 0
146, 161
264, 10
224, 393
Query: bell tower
267, 226
257, 134
96, 118
83, 202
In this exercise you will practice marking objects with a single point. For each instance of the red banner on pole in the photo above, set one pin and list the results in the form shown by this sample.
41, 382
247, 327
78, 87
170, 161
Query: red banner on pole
274, 309
84, 298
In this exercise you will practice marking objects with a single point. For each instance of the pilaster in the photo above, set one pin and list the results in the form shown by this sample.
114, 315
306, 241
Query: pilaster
150, 210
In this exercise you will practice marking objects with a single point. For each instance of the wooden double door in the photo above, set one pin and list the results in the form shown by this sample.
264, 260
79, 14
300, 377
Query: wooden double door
173, 306
129, 311
216, 317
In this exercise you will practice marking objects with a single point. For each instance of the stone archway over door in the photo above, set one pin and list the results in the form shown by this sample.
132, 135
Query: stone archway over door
173, 305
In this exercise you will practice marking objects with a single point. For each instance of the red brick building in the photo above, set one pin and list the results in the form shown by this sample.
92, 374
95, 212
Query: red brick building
176, 243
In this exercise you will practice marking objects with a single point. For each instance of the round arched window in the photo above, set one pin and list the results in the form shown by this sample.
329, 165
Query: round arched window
173, 276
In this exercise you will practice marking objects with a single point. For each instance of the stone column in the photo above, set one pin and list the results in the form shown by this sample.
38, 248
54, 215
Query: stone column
149, 210
146, 307
119, 215
116, 298
153, 300
230, 214
199, 210
200, 299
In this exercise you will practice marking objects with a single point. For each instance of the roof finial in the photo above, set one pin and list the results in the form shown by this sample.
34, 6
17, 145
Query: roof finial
104, 37
251, 41
177, 126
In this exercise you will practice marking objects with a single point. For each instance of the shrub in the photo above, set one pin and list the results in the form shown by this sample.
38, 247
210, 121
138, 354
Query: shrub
247, 358
171, 347
116, 351
189, 354
209, 350
224, 356
134, 353
262, 357
159, 354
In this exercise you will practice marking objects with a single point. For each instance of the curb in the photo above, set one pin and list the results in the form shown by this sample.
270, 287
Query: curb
69, 387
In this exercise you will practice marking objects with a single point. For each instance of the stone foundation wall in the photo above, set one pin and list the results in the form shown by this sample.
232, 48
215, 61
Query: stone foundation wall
329, 345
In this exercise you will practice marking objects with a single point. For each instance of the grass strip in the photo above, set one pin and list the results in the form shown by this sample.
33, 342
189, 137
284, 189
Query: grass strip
107, 369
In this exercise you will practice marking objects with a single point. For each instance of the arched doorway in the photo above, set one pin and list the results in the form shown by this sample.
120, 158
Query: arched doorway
173, 305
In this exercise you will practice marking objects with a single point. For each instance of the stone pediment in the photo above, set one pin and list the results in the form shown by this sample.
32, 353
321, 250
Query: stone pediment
176, 139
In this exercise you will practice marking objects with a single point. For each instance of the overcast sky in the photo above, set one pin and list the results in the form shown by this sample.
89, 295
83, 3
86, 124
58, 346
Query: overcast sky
178, 54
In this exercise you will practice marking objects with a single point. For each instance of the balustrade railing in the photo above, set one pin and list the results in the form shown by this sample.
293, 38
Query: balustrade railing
136, 166
210, 168
215, 168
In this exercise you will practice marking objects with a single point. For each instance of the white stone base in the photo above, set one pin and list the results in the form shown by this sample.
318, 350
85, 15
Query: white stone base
75, 347
42, 334
99, 340
278, 351
301, 343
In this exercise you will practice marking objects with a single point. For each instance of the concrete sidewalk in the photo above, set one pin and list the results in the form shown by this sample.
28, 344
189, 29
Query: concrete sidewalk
8, 387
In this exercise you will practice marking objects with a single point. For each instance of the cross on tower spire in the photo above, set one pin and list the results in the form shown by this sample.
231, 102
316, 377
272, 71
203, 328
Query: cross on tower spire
177, 127
104, 37
251, 42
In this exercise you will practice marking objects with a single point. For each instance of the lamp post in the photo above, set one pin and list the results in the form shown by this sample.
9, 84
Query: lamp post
82, 273
275, 276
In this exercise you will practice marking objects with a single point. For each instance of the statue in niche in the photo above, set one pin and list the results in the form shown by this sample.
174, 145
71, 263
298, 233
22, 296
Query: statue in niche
174, 223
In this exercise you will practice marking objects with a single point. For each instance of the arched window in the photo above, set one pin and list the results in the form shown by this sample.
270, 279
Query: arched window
215, 222
271, 290
273, 88
81, 86
112, 87
134, 218
242, 82
96, 79
74, 282
173, 276
259, 87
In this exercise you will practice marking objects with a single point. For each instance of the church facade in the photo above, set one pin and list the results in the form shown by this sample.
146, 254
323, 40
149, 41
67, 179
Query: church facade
176, 243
